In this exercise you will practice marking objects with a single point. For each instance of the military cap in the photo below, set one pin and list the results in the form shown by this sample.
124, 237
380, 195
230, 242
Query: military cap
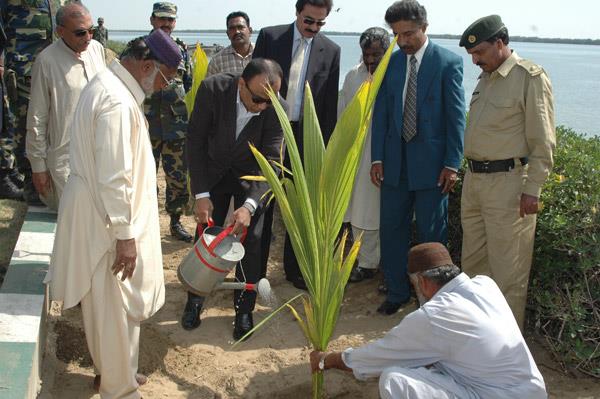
164, 9
164, 48
428, 256
481, 30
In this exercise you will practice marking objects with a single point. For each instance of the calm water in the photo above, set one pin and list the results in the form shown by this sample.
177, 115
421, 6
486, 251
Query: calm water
574, 71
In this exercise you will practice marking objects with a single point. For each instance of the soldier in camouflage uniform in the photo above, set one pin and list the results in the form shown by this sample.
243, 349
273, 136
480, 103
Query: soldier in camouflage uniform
100, 32
167, 118
8, 186
29, 26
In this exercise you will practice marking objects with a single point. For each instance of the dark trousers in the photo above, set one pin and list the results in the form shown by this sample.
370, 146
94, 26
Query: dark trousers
250, 269
290, 263
398, 205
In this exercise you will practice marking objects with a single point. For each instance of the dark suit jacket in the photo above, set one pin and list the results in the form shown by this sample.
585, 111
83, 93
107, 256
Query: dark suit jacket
322, 72
440, 119
212, 150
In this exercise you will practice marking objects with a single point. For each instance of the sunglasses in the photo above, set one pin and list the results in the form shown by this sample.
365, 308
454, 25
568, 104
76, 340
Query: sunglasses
257, 99
83, 32
168, 82
310, 21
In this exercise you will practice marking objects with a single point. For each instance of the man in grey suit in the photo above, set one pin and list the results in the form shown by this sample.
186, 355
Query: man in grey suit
230, 112
305, 55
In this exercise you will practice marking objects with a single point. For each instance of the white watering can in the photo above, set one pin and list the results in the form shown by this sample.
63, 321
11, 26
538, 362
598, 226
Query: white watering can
213, 256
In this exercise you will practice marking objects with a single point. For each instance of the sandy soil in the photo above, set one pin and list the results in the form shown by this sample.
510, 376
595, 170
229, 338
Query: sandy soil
271, 364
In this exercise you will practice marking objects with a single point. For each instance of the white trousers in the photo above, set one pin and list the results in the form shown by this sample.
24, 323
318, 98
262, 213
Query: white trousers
112, 337
419, 383
368, 254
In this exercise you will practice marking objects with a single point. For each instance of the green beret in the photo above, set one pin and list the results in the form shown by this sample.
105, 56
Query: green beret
481, 30
164, 9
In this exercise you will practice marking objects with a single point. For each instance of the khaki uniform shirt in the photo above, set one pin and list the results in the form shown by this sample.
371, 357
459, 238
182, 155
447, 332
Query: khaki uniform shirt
512, 116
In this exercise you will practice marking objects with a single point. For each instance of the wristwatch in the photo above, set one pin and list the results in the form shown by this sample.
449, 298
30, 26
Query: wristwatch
322, 361
250, 208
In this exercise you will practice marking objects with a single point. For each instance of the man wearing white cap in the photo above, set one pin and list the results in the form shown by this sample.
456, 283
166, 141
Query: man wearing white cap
463, 342
107, 254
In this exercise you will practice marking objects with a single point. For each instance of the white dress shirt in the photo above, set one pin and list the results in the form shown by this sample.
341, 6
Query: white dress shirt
467, 332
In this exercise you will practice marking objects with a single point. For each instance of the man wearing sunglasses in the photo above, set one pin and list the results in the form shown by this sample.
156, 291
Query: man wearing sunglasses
59, 74
167, 118
305, 55
232, 111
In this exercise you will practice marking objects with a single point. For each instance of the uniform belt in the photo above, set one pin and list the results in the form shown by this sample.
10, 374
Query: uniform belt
503, 165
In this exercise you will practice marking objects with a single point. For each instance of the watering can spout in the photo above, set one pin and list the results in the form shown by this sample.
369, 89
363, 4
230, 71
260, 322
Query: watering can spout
263, 287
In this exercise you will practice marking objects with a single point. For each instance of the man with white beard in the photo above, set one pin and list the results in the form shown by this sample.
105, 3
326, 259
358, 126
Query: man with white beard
107, 253
463, 342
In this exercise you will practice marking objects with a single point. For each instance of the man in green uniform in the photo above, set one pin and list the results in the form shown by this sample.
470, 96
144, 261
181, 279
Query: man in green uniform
100, 32
167, 118
509, 142
9, 188
28, 25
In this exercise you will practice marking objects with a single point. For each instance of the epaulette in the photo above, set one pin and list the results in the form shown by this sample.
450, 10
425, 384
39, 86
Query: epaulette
531, 67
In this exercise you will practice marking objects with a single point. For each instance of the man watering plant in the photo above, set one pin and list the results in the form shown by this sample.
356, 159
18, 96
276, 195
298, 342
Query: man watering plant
463, 342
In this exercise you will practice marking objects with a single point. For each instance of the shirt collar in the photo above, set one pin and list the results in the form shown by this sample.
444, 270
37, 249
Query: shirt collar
230, 50
452, 284
129, 81
298, 35
68, 49
420, 52
508, 64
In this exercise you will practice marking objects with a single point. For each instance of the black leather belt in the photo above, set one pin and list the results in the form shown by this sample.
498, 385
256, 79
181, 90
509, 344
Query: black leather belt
503, 165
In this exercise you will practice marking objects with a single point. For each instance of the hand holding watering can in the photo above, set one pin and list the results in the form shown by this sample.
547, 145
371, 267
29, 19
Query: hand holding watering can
203, 209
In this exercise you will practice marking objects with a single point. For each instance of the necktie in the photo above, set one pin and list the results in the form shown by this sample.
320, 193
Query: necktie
294, 84
409, 125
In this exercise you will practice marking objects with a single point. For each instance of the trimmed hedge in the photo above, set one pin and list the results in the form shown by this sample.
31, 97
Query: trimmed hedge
564, 290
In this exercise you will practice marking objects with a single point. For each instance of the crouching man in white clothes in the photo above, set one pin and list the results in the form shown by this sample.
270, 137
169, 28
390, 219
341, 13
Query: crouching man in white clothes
463, 342
107, 252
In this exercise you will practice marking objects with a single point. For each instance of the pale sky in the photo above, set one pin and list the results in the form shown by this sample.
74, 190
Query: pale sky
543, 18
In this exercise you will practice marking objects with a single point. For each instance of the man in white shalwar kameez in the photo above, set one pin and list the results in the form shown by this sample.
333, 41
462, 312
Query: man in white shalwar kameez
58, 75
363, 211
107, 252
462, 343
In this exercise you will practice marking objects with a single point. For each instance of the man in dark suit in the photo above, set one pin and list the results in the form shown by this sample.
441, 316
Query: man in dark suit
305, 55
417, 139
230, 112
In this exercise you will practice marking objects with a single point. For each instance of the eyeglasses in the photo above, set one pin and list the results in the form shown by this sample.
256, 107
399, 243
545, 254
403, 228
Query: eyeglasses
83, 32
257, 99
310, 21
168, 82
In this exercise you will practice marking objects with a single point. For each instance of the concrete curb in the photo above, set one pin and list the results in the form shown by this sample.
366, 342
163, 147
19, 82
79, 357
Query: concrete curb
24, 306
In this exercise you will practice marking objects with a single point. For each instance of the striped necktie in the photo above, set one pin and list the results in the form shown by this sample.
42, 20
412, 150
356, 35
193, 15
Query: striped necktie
409, 125
294, 84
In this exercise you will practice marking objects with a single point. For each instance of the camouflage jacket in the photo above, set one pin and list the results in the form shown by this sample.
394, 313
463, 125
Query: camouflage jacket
101, 35
29, 26
165, 109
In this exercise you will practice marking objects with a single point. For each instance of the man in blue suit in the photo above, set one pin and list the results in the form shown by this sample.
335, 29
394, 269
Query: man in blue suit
417, 143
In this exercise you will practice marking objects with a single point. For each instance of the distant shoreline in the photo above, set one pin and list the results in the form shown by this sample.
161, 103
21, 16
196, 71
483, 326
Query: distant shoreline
533, 39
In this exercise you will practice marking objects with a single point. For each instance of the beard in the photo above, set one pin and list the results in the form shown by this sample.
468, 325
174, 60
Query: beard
147, 83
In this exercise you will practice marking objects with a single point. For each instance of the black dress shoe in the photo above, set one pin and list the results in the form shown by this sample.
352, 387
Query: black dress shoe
243, 324
178, 231
359, 274
388, 308
299, 283
191, 314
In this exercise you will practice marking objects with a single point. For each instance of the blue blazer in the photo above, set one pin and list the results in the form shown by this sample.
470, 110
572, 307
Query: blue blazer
440, 119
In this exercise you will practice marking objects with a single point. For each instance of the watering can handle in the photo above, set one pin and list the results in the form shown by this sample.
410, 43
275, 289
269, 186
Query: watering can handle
222, 236
201, 226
